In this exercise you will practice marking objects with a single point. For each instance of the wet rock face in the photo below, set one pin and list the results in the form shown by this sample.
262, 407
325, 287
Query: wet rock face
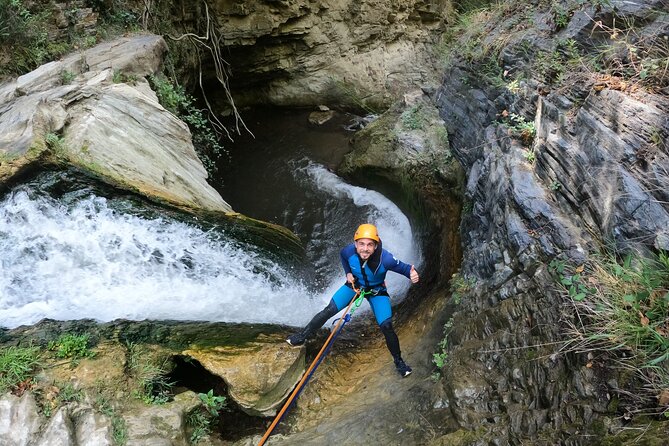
296, 53
250, 365
404, 154
597, 176
260, 376
611, 171
116, 131
19, 420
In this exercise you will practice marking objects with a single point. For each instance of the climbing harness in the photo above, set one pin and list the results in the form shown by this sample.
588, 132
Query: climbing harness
356, 301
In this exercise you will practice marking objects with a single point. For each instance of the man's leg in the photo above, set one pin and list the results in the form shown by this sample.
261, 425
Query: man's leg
383, 313
340, 300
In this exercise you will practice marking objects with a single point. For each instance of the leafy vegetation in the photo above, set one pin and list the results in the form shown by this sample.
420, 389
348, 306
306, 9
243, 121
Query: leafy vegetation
55, 143
24, 31
441, 356
67, 77
116, 16
212, 403
623, 55
552, 66
460, 285
201, 419
414, 118
56, 396
72, 346
520, 127
67, 393
120, 77
622, 307
24, 36
530, 156
18, 365
174, 98
561, 16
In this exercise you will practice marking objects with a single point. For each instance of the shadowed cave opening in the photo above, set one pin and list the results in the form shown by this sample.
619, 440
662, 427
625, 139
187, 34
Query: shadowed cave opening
233, 423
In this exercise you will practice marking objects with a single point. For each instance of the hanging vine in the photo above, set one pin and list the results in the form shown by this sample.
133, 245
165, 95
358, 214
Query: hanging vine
209, 41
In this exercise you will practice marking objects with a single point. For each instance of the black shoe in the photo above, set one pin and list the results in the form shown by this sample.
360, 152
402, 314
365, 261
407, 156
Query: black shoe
296, 339
402, 368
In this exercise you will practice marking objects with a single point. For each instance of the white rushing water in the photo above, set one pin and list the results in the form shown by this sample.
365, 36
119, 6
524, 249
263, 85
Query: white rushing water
89, 261
393, 225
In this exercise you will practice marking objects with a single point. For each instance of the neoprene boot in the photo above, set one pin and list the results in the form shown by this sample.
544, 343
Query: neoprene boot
312, 327
402, 368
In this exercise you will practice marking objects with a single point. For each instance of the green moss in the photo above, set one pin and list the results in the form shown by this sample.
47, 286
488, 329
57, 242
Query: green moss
8, 157
613, 405
178, 336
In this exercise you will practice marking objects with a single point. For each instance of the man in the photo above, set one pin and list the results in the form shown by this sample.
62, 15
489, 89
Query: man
365, 263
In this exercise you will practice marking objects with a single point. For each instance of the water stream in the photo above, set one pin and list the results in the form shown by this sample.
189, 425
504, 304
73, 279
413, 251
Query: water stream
86, 257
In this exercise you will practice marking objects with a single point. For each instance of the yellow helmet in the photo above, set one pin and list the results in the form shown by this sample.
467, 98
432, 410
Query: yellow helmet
367, 231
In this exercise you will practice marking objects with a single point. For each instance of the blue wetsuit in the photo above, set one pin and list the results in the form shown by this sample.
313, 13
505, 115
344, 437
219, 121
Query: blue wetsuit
370, 275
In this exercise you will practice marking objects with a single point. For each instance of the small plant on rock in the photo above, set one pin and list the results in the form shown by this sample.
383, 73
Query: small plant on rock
460, 285
441, 356
530, 156
513, 86
414, 118
560, 16
55, 143
520, 127
68, 393
119, 77
201, 419
66, 77
174, 98
212, 403
72, 346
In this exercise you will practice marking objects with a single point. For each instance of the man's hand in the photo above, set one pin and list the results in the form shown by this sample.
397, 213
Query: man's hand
414, 275
350, 279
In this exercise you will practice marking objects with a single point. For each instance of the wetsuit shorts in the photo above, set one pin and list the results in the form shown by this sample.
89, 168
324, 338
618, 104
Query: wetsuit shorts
380, 304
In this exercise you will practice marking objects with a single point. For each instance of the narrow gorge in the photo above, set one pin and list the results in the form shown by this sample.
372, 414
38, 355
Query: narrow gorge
177, 179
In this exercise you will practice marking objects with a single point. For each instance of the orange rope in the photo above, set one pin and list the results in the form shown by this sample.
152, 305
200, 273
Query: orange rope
305, 376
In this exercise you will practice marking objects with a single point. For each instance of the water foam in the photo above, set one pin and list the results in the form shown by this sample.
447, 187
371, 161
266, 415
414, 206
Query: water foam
394, 227
88, 260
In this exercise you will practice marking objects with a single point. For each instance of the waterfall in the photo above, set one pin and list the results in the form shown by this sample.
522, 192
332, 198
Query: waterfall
88, 260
